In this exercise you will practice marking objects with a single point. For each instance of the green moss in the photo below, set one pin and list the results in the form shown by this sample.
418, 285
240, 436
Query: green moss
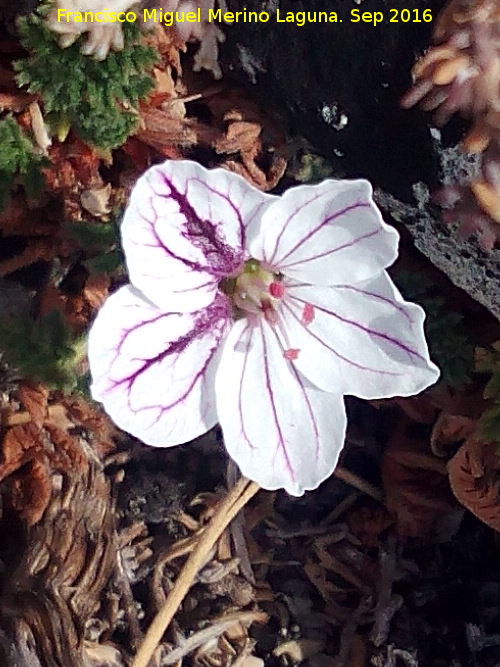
98, 98
44, 349
102, 246
489, 362
18, 160
449, 343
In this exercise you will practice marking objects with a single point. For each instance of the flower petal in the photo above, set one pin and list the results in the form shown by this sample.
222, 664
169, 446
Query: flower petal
154, 371
281, 431
359, 339
184, 230
325, 234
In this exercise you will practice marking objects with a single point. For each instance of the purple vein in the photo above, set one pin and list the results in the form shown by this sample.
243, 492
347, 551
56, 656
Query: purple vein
289, 219
367, 330
242, 380
281, 440
331, 349
332, 251
323, 223
306, 398
378, 297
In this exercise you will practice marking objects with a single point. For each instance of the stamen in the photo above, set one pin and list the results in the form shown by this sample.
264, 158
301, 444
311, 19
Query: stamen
255, 291
291, 354
269, 313
276, 290
307, 314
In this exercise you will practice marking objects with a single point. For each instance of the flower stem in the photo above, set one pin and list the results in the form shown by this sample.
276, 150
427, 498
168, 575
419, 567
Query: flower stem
237, 498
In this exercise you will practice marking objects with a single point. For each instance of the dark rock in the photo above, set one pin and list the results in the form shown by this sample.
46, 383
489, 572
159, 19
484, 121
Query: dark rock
339, 85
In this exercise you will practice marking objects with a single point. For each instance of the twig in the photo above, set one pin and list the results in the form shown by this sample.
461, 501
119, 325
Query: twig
237, 498
123, 583
358, 483
337, 511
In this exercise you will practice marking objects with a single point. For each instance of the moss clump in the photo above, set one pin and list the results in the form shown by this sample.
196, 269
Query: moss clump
44, 349
18, 160
98, 98
449, 343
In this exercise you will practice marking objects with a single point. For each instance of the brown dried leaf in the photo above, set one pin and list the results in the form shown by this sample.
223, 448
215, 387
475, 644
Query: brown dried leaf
16, 101
96, 200
96, 289
101, 430
415, 483
17, 219
34, 396
36, 250
449, 430
474, 474
31, 491
240, 136
19, 445
254, 174
68, 455
367, 523
162, 131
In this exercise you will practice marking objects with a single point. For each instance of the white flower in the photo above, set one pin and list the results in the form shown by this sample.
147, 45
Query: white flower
258, 312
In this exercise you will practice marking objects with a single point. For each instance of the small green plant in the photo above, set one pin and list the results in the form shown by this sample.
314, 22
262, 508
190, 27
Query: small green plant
18, 159
449, 344
99, 99
488, 361
101, 243
43, 349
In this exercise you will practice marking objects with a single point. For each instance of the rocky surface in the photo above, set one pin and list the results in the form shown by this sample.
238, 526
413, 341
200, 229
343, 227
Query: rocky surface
339, 84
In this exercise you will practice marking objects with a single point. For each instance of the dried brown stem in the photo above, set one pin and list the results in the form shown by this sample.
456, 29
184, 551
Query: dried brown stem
237, 498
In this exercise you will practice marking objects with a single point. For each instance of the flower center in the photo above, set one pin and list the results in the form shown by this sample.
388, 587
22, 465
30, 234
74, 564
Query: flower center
255, 291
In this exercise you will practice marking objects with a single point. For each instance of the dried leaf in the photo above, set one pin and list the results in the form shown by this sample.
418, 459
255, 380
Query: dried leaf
96, 289
474, 474
298, 650
38, 126
96, 200
19, 445
16, 101
448, 430
101, 431
31, 491
415, 483
34, 396
368, 523
101, 655
241, 136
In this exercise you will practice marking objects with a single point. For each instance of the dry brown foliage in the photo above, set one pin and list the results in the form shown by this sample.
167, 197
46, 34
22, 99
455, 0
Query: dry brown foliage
474, 474
461, 73
414, 480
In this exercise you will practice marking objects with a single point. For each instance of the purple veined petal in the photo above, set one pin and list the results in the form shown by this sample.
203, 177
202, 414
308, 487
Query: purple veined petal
154, 371
184, 231
281, 431
361, 339
327, 233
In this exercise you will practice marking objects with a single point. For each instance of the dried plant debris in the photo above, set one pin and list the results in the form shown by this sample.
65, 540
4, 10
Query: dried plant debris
475, 479
461, 74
